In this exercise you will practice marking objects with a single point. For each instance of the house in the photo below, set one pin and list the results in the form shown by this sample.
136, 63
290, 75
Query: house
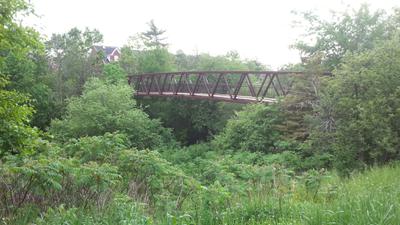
110, 53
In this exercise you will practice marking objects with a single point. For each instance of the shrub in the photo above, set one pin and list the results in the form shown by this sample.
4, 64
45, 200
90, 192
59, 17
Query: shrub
49, 180
105, 107
96, 148
121, 210
252, 129
154, 180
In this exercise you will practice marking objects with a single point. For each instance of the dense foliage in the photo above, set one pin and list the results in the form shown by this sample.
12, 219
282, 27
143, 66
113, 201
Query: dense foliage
349, 32
77, 148
253, 129
22, 60
359, 108
16, 134
106, 107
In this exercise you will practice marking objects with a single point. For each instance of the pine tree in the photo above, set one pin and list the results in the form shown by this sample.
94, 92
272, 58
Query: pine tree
153, 37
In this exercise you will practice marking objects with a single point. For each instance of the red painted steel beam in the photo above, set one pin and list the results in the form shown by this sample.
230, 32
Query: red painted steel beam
217, 88
225, 98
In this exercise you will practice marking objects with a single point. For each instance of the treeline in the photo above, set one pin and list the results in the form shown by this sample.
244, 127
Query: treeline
77, 148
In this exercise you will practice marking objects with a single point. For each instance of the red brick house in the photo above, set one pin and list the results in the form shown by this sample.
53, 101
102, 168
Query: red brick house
111, 54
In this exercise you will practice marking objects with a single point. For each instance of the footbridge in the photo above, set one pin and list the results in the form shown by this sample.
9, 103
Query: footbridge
229, 86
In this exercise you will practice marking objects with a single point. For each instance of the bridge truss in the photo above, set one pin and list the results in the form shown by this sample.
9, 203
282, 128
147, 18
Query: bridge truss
230, 86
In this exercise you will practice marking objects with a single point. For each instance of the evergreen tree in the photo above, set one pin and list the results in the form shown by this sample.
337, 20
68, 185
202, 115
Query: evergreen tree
153, 37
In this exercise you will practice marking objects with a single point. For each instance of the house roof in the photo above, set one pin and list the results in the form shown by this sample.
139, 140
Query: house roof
108, 50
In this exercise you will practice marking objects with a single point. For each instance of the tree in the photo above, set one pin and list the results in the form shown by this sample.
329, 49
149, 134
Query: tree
22, 60
153, 37
129, 60
359, 108
106, 107
349, 32
155, 60
71, 62
113, 73
16, 136
135, 61
146, 53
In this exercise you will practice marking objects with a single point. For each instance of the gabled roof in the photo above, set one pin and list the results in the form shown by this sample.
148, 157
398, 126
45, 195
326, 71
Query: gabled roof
108, 50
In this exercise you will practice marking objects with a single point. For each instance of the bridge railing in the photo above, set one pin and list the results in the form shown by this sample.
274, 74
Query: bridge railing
237, 86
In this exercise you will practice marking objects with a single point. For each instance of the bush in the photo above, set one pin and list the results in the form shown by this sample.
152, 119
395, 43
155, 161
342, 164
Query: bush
50, 180
105, 107
96, 148
121, 210
146, 176
252, 129
154, 180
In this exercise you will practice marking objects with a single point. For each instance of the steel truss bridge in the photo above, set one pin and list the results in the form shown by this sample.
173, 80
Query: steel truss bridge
229, 86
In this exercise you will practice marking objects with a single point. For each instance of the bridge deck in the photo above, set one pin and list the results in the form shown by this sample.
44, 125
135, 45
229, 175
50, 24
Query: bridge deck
217, 97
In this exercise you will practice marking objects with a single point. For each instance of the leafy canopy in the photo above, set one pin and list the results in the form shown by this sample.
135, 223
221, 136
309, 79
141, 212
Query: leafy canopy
16, 136
252, 129
72, 61
22, 59
359, 108
348, 32
105, 107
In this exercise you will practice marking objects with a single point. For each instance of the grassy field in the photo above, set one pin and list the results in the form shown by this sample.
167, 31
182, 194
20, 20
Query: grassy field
369, 198
372, 197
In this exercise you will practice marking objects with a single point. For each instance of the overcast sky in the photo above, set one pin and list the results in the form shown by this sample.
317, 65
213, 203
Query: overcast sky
257, 29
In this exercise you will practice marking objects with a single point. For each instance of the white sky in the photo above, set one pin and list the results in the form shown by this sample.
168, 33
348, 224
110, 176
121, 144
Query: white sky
257, 29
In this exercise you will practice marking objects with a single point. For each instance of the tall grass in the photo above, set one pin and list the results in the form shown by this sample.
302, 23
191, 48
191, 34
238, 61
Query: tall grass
371, 197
